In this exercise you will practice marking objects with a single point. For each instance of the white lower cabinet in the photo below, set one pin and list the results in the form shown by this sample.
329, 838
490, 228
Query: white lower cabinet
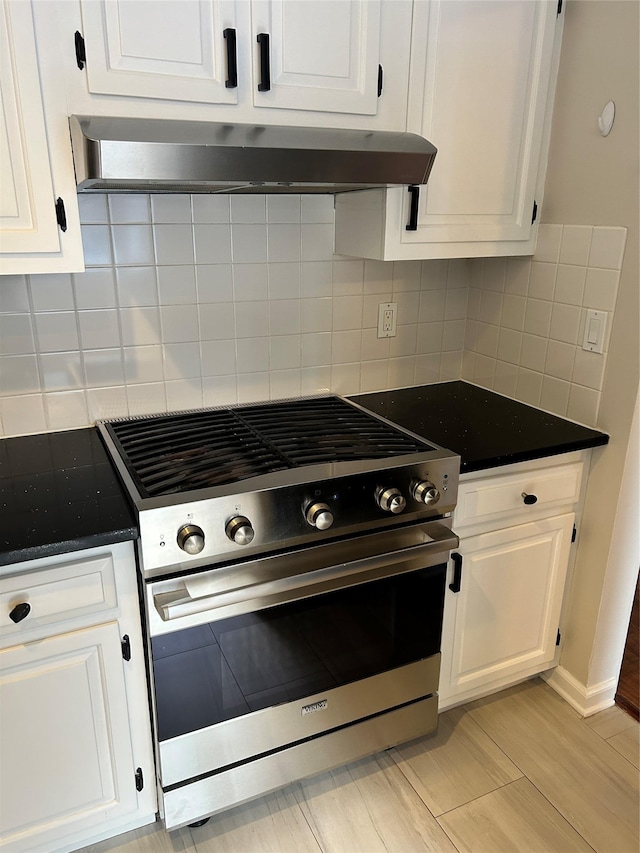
75, 743
506, 580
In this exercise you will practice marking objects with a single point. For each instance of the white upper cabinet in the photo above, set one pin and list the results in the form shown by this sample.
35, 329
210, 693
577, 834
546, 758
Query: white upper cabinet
317, 56
313, 62
481, 88
178, 49
36, 171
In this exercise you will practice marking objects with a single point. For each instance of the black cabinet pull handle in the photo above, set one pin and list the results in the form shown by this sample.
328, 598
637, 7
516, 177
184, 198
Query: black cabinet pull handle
265, 72
414, 190
232, 58
529, 499
20, 612
457, 573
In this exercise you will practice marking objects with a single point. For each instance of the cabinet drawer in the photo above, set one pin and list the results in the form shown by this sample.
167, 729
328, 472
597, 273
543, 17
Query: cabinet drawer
56, 594
497, 498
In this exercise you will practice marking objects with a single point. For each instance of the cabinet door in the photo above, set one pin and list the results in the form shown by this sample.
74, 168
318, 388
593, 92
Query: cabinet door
30, 238
503, 622
324, 54
173, 49
65, 749
481, 100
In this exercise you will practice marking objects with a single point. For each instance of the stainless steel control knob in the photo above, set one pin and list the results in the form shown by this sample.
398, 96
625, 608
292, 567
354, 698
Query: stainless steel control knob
191, 538
319, 515
426, 492
239, 530
391, 500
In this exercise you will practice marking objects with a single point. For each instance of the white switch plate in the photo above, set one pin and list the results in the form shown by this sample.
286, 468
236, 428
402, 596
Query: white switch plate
594, 328
387, 314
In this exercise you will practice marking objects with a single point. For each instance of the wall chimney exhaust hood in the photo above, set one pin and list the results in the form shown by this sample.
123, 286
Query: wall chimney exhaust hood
157, 155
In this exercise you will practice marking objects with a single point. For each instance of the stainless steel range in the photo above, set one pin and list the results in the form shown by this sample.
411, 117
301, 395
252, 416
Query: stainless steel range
293, 559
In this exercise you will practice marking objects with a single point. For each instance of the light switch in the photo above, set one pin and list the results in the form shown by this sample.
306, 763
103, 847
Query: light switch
594, 329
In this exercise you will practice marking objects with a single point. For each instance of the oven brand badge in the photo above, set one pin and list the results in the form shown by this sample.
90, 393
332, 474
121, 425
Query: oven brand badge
315, 706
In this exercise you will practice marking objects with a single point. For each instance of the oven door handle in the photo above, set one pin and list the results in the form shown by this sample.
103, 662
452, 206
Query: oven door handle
187, 602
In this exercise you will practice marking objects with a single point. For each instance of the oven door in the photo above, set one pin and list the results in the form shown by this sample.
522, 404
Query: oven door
325, 656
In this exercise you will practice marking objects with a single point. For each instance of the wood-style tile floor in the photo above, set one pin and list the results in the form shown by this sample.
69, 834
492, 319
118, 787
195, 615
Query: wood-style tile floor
519, 771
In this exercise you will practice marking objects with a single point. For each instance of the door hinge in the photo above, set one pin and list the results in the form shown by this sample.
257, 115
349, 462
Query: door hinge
534, 214
81, 53
126, 647
574, 533
558, 637
61, 214
380, 79
559, 9
139, 779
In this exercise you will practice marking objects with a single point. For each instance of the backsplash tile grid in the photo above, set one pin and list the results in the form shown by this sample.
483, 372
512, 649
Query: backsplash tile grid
211, 300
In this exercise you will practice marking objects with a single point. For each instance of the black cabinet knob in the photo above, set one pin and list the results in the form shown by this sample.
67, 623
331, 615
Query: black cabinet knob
529, 499
20, 612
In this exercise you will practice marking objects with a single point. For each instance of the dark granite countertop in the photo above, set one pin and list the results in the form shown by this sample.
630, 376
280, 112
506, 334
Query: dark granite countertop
485, 428
59, 493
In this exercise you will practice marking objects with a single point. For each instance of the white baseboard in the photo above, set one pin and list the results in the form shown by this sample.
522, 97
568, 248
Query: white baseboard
586, 700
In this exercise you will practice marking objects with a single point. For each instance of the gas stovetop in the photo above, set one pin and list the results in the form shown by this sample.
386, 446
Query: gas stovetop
211, 484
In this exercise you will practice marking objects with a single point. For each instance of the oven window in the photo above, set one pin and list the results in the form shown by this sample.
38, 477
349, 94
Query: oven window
214, 672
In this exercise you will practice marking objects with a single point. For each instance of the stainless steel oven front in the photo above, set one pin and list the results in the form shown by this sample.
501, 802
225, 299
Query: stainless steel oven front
275, 668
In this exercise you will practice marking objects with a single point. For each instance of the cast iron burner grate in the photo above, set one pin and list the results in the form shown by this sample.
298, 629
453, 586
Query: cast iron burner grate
191, 450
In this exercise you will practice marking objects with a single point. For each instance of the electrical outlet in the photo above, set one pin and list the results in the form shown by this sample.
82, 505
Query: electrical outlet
387, 313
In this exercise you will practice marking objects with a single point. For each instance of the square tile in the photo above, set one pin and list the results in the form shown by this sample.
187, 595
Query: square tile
548, 243
575, 245
128, 208
93, 208
456, 304
316, 349
607, 247
490, 307
583, 405
14, 296
104, 367
179, 323
570, 281
317, 315
315, 380
132, 244
487, 339
427, 368
450, 366
505, 378
370, 306
345, 378
143, 364
542, 281
529, 386
285, 317
250, 282
16, 334
283, 208
317, 208
214, 282
374, 375
565, 322
248, 208
559, 360
453, 335
19, 375
252, 355
171, 208
555, 395
217, 321
517, 276
588, 369
494, 272
147, 398
317, 242
509, 345
347, 312
373, 347
316, 278
23, 415
284, 280
402, 371
249, 244
218, 357
348, 278
284, 384
66, 410
404, 343
252, 319
533, 353
513, 311
601, 289
458, 273
95, 288
212, 244
253, 387
181, 361
433, 275
406, 276
211, 208
285, 352
96, 245
56, 331
378, 276
140, 326
219, 390
283, 243
429, 338
431, 307
346, 347
177, 285
183, 394
175, 244
107, 403
136, 286
99, 329
537, 318
408, 308
51, 292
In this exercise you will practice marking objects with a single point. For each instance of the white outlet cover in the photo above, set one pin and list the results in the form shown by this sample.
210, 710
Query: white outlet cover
387, 318
595, 327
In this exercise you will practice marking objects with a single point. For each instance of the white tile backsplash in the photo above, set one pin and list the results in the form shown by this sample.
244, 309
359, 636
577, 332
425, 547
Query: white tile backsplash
174, 323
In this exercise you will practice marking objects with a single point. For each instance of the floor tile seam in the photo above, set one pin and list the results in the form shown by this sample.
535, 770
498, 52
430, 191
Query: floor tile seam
622, 755
444, 829
391, 753
480, 796
564, 817
298, 793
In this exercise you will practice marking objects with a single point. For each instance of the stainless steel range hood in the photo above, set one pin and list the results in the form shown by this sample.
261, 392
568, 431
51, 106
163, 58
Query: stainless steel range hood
154, 155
